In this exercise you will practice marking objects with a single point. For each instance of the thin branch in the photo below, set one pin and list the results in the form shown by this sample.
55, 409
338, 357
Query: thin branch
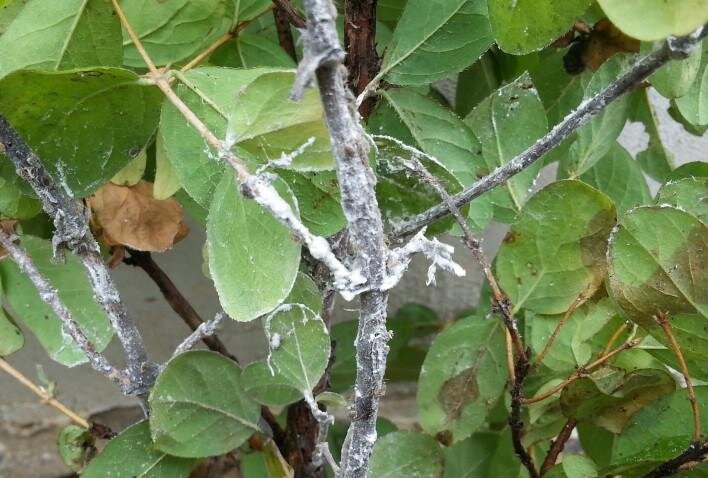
695, 453
672, 49
516, 423
576, 303
46, 397
510, 356
50, 296
72, 232
581, 372
500, 301
206, 329
177, 301
256, 187
616, 335
323, 58
557, 446
285, 34
362, 60
294, 16
663, 320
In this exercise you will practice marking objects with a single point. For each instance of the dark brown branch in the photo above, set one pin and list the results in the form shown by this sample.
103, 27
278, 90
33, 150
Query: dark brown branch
71, 230
695, 453
292, 14
362, 60
672, 49
285, 35
174, 298
516, 423
557, 446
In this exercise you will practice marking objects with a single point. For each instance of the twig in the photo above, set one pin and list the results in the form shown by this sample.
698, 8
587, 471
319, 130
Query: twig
206, 329
177, 301
323, 57
510, 356
516, 423
72, 231
672, 49
362, 60
581, 372
614, 338
46, 397
255, 187
285, 35
557, 446
576, 303
49, 295
294, 16
500, 301
695, 453
663, 320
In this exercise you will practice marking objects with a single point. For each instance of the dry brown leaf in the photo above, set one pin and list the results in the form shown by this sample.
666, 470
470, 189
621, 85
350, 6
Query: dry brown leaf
604, 41
8, 227
130, 216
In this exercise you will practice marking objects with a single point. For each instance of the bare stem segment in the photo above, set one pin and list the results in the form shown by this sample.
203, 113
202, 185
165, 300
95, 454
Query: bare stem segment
72, 232
323, 58
673, 48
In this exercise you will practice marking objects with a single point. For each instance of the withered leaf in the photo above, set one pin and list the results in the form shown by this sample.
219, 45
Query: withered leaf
605, 40
8, 227
130, 216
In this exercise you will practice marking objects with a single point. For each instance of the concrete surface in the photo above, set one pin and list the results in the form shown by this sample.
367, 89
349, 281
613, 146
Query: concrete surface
28, 428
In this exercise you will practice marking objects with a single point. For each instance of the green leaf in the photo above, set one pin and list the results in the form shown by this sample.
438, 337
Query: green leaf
649, 20
11, 338
406, 454
84, 125
507, 122
318, 198
690, 333
476, 83
253, 258
556, 248
61, 36
249, 50
695, 169
173, 30
73, 443
655, 160
595, 139
194, 162
16, 200
75, 291
435, 38
133, 455
471, 457
424, 123
574, 466
522, 26
657, 264
657, 433
299, 349
198, 407
9, 9
401, 193
166, 181
688, 194
620, 177
266, 123
609, 397
133, 172
675, 78
576, 340
693, 106
462, 377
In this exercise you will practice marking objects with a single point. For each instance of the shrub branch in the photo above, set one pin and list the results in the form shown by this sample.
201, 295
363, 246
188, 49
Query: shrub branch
72, 232
674, 48
323, 58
